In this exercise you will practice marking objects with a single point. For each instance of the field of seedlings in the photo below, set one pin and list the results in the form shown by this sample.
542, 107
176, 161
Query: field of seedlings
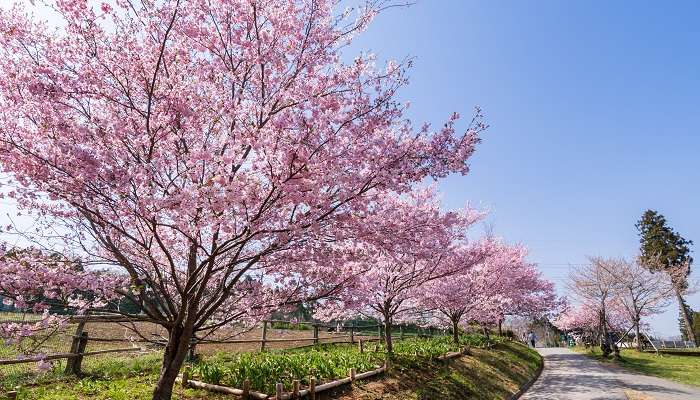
324, 362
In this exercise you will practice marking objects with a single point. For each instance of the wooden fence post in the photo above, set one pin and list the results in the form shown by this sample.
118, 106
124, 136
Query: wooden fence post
279, 389
77, 347
81, 350
360, 344
379, 333
352, 332
186, 375
246, 389
74, 345
191, 351
315, 334
312, 388
264, 336
401, 331
295, 389
352, 374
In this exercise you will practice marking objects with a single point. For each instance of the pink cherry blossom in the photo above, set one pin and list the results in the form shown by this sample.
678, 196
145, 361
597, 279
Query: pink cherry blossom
200, 149
501, 283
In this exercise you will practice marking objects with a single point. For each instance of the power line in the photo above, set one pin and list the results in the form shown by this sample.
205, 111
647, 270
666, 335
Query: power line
563, 264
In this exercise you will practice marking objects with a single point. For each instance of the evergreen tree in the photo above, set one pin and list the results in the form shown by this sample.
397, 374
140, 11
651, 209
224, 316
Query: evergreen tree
681, 321
696, 323
664, 250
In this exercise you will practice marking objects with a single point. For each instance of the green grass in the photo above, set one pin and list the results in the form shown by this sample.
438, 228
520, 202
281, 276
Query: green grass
290, 326
679, 368
693, 351
18, 316
105, 378
490, 374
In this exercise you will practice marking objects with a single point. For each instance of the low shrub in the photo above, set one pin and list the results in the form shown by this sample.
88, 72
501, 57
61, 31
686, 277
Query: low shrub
290, 326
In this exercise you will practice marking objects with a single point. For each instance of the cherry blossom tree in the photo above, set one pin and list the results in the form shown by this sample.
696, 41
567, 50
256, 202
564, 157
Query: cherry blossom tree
580, 321
640, 293
595, 285
61, 282
413, 244
583, 321
617, 292
501, 284
190, 145
473, 293
529, 294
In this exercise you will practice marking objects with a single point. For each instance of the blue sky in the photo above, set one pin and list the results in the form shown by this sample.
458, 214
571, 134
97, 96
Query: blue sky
594, 110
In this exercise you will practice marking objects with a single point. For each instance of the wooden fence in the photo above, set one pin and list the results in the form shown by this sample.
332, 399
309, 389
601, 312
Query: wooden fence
78, 344
350, 333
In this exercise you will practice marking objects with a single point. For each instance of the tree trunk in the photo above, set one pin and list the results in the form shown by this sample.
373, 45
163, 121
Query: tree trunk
387, 337
500, 329
455, 330
686, 318
173, 358
615, 349
604, 339
638, 335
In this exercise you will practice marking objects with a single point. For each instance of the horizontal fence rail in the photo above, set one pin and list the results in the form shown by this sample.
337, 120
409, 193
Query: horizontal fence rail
66, 355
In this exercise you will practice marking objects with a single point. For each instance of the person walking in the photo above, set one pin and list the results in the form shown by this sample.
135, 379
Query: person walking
531, 338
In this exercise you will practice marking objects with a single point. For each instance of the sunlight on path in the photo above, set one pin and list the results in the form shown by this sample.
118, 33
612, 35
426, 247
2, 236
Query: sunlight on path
634, 395
571, 376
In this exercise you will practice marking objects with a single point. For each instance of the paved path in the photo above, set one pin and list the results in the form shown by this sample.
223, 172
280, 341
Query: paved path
571, 376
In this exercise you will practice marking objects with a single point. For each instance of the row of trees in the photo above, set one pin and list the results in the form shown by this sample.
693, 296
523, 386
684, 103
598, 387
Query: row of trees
481, 282
213, 161
615, 295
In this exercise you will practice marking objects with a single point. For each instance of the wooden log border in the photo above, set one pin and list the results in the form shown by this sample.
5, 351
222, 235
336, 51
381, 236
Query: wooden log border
298, 393
455, 354
285, 395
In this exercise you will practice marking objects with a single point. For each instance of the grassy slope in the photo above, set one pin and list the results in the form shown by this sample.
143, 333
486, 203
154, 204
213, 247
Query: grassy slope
679, 368
486, 374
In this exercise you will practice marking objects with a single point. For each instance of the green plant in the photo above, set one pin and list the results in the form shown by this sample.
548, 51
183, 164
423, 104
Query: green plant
290, 326
324, 362
210, 372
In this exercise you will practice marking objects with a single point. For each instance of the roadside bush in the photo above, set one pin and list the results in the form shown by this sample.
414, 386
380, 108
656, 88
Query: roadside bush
290, 326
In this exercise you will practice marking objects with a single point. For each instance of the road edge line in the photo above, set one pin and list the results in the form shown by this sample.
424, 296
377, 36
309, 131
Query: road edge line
529, 383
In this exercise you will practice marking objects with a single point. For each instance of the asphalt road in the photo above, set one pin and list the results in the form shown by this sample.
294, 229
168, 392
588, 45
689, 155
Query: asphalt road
571, 376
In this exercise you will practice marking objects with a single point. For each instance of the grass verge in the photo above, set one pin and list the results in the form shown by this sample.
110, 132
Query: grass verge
679, 368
